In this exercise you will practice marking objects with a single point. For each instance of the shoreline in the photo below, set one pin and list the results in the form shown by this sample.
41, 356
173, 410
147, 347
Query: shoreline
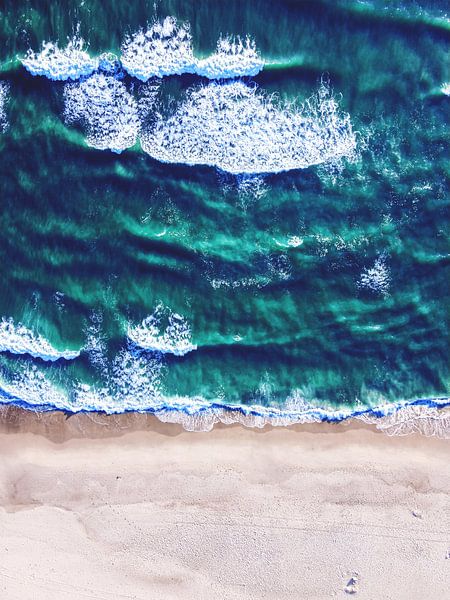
130, 507
60, 427
428, 417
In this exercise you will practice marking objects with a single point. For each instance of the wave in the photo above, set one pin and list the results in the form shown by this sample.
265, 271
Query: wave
33, 391
132, 383
166, 49
176, 338
163, 49
105, 109
231, 126
18, 339
238, 129
61, 64
233, 58
4, 88
377, 278
445, 88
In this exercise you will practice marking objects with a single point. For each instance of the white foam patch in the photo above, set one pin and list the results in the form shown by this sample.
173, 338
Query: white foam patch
163, 331
402, 418
238, 129
430, 421
96, 346
4, 88
377, 278
250, 188
165, 48
34, 388
18, 339
105, 109
133, 383
234, 58
445, 88
60, 64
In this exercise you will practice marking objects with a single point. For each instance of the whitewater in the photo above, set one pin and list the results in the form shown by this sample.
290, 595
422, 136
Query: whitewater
133, 381
243, 130
162, 50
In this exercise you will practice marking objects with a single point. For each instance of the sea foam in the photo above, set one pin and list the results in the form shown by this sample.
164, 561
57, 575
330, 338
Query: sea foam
33, 390
133, 381
105, 109
18, 339
445, 88
165, 48
430, 417
376, 278
136, 388
234, 57
238, 129
4, 88
61, 64
163, 331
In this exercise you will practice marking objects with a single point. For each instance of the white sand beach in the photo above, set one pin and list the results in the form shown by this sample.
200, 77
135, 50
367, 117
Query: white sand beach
130, 508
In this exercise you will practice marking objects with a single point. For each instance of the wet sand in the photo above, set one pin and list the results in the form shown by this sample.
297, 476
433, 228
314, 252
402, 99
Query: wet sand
130, 508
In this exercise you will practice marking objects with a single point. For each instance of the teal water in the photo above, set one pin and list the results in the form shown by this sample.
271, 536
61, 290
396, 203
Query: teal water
323, 286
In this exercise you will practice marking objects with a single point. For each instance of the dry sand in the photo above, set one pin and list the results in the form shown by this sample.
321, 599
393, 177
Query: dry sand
130, 508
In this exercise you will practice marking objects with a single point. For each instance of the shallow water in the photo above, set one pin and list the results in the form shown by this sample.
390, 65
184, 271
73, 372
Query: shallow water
174, 209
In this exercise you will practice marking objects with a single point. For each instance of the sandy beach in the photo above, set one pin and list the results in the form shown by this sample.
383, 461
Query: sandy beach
131, 508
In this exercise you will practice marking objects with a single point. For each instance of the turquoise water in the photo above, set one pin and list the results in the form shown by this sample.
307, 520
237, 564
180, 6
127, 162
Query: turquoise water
294, 259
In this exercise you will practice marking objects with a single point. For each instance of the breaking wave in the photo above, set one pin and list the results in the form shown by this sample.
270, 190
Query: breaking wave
378, 277
134, 387
132, 382
4, 87
163, 331
229, 125
234, 57
105, 109
163, 49
445, 88
60, 64
238, 129
18, 339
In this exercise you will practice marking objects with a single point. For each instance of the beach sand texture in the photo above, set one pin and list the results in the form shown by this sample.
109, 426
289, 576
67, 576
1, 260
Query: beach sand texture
315, 512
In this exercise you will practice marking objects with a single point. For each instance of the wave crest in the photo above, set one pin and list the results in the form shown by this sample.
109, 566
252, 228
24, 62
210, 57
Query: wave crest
164, 49
176, 337
377, 278
234, 57
60, 64
105, 109
238, 129
18, 339
4, 88
134, 386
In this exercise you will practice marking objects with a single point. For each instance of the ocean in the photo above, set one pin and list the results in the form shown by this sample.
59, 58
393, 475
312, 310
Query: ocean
226, 211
